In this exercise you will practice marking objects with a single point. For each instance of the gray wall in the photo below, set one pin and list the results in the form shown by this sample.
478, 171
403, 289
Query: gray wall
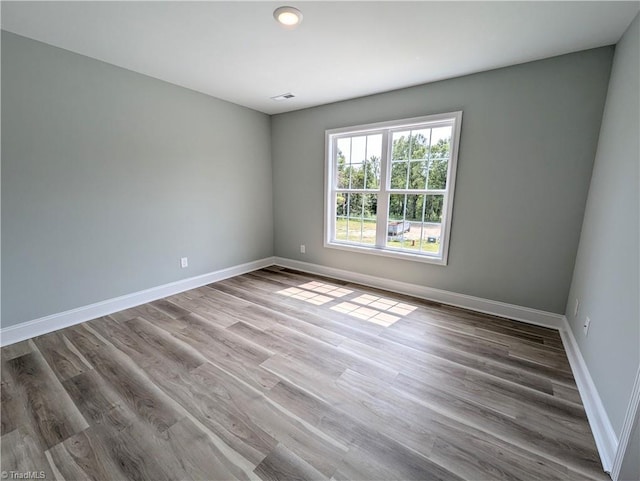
606, 274
109, 177
528, 141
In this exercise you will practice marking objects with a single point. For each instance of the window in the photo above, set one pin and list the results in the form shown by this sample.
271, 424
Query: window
389, 187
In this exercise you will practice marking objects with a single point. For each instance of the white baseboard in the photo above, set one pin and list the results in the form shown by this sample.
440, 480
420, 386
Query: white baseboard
603, 432
44, 325
496, 308
627, 428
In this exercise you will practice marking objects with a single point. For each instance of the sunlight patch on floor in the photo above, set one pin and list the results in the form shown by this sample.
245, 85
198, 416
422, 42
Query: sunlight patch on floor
307, 296
321, 287
375, 309
315, 292
366, 313
384, 304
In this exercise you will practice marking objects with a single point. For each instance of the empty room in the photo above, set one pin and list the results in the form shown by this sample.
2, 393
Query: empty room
320, 240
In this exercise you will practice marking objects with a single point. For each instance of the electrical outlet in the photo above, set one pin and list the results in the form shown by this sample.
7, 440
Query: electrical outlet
303, 249
575, 309
184, 262
587, 323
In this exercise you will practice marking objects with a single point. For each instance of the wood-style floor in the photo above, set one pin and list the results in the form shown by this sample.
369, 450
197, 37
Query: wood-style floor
282, 375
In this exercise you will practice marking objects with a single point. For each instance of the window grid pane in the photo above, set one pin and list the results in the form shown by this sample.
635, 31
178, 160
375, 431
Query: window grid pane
357, 163
356, 220
415, 222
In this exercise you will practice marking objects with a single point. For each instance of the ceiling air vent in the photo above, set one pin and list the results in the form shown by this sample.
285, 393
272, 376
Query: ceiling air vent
281, 97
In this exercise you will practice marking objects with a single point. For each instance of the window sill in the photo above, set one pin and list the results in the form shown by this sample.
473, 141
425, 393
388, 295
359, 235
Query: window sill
376, 251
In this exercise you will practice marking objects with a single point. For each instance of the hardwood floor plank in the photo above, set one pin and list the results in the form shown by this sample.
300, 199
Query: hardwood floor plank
22, 453
487, 320
36, 387
266, 319
210, 403
16, 350
63, 358
545, 357
567, 393
149, 344
429, 324
98, 402
294, 308
170, 309
198, 456
470, 351
292, 345
12, 409
489, 465
383, 459
84, 456
83, 339
114, 425
254, 353
165, 345
372, 455
301, 348
133, 387
570, 446
320, 413
422, 359
193, 294
219, 311
136, 453
116, 422
127, 314
284, 465
147, 311
102, 452
362, 407
227, 349
507, 398
308, 443
473, 457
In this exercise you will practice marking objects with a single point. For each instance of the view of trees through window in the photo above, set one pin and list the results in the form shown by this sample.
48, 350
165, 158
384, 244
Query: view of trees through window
417, 171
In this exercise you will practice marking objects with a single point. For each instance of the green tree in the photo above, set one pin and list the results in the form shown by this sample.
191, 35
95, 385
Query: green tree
365, 175
409, 170
439, 164
416, 165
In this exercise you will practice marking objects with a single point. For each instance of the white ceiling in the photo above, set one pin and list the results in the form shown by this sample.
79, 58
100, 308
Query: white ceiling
237, 52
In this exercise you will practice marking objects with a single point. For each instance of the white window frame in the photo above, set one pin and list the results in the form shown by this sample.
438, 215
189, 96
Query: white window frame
386, 129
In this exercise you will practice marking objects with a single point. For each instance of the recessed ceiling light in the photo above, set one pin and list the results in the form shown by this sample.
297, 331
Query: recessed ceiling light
288, 17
